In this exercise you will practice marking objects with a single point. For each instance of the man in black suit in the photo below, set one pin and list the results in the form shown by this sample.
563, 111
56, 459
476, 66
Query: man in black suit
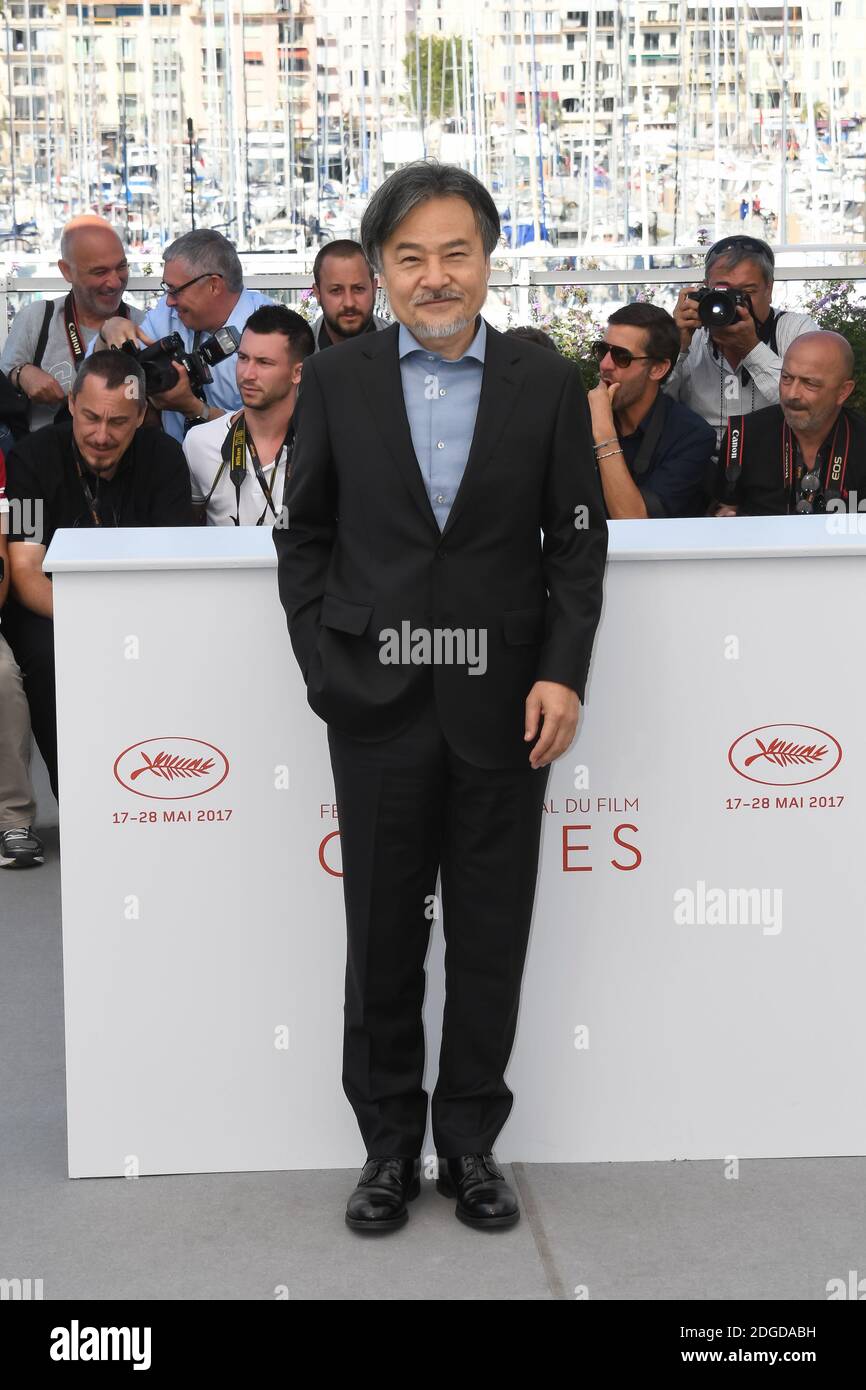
446, 645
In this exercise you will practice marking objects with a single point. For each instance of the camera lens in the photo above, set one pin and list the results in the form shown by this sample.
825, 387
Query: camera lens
717, 309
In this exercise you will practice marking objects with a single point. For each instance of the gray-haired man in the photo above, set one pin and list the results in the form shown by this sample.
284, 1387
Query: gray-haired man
733, 369
204, 290
429, 458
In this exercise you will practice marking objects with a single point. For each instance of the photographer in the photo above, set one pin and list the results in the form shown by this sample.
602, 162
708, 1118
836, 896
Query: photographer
48, 340
99, 469
654, 454
204, 291
733, 368
238, 463
808, 453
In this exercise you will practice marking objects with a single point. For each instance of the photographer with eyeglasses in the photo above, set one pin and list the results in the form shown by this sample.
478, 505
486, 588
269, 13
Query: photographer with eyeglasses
203, 292
732, 340
808, 453
654, 455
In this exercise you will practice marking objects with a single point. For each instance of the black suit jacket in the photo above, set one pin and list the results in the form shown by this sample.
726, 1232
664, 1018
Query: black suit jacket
361, 551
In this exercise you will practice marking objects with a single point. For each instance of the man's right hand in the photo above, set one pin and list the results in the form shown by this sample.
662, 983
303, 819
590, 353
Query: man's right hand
117, 331
40, 386
686, 316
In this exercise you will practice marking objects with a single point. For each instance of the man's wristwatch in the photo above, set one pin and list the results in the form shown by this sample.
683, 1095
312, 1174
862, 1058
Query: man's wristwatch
202, 416
15, 377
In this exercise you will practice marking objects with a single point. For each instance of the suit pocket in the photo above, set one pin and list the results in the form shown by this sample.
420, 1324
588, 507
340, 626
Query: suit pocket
523, 626
348, 617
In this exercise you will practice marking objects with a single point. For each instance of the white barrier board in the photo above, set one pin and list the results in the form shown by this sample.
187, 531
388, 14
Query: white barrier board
697, 962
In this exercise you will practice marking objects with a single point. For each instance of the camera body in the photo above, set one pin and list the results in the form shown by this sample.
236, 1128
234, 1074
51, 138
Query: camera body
717, 308
156, 359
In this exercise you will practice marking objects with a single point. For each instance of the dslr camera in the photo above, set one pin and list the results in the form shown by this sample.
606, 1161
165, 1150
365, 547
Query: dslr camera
718, 308
156, 359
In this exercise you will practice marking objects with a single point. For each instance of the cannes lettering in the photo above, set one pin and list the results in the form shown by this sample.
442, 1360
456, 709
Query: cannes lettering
76, 1343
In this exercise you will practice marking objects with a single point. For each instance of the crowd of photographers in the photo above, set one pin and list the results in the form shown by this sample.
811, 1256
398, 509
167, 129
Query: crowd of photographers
184, 414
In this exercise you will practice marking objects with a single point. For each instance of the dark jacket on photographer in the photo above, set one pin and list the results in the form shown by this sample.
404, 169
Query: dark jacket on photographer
703, 380
151, 486
760, 466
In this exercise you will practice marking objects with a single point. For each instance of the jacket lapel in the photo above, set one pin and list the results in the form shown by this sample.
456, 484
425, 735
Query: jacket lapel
383, 390
501, 382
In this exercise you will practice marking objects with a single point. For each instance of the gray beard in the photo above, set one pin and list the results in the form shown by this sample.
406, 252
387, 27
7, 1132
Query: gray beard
440, 330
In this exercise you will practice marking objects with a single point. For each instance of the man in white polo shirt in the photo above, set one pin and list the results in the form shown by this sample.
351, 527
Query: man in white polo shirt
238, 462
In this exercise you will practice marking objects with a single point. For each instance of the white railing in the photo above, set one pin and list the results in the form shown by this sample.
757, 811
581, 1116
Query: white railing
517, 282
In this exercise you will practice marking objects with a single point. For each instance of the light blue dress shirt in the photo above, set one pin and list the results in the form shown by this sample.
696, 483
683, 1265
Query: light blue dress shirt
441, 398
222, 392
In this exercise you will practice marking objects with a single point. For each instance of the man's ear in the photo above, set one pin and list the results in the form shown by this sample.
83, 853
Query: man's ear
65, 270
296, 372
314, 291
844, 392
659, 370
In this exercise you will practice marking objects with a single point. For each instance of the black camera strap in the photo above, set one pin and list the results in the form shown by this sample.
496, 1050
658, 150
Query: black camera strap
93, 500
835, 463
73, 331
237, 442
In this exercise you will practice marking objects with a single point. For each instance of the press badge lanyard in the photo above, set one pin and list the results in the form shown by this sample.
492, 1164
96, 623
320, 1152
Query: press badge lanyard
234, 452
93, 501
836, 463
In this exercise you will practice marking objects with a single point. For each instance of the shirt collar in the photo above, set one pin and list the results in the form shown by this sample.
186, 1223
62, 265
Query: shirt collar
407, 343
641, 428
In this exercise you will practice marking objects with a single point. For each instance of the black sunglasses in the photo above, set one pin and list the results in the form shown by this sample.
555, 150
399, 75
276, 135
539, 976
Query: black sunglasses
620, 355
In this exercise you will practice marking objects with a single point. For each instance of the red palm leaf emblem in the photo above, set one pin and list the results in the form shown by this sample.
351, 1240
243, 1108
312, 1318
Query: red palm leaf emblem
783, 754
169, 767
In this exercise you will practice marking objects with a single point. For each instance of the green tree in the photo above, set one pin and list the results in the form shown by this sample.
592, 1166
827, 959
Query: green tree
440, 51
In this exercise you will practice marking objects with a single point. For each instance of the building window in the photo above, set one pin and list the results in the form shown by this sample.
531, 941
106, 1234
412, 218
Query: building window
568, 72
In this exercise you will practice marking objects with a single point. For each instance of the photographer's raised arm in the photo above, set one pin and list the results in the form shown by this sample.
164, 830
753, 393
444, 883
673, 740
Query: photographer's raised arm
30, 586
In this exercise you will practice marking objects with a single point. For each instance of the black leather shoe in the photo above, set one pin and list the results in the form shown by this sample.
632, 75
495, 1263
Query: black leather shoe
484, 1198
384, 1187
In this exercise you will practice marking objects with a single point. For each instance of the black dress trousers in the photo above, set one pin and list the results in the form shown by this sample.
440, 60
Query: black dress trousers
409, 807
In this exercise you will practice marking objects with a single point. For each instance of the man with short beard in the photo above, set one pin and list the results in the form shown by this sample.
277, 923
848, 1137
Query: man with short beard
654, 455
808, 453
47, 342
238, 462
345, 287
429, 460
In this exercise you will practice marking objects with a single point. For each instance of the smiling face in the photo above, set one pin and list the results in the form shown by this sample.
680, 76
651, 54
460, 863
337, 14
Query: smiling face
201, 304
435, 269
104, 421
346, 293
97, 269
814, 383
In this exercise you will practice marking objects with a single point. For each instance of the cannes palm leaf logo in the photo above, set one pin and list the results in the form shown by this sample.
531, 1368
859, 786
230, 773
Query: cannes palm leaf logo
784, 754
164, 765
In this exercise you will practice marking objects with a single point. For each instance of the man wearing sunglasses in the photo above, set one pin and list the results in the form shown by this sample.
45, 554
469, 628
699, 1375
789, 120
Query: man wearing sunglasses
204, 291
654, 455
734, 370
808, 453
